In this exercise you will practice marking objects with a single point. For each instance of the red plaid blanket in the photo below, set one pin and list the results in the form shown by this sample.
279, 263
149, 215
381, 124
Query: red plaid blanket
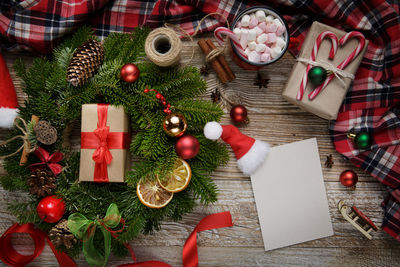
373, 101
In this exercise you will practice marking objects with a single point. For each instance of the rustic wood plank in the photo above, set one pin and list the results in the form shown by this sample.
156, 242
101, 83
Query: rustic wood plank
278, 122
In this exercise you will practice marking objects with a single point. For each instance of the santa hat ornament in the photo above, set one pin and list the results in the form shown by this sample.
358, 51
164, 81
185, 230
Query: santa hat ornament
8, 97
250, 153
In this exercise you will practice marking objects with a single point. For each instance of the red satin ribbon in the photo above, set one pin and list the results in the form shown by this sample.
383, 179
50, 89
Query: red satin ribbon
189, 255
102, 140
48, 160
12, 258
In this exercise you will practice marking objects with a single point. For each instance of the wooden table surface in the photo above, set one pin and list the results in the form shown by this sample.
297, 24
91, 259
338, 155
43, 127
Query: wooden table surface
275, 121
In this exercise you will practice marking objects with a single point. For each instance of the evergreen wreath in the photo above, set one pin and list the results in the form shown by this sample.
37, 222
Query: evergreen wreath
53, 99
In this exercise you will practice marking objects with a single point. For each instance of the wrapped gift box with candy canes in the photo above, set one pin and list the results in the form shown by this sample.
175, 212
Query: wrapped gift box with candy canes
326, 66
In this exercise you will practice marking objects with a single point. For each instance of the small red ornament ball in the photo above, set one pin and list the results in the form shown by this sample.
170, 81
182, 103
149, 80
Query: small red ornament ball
348, 178
238, 114
51, 209
187, 147
129, 73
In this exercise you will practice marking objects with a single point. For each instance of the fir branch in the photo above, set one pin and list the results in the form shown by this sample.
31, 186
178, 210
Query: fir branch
53, 99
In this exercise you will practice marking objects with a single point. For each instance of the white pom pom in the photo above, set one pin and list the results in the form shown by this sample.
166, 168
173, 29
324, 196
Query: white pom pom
212, 130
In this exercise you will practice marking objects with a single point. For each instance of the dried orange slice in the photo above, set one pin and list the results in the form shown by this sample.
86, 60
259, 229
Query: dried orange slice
179, 177
152, 195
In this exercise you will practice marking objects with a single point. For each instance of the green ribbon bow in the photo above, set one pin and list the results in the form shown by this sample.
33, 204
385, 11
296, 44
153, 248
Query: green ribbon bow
85, 229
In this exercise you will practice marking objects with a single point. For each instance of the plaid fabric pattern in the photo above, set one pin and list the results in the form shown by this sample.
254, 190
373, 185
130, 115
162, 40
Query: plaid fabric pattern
372, 103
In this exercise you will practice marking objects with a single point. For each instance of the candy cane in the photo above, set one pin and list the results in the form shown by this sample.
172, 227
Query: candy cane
313, 56
220, 31
350, 58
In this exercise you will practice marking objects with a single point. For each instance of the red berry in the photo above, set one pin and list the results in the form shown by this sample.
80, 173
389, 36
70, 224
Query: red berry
164, 103
169, 105
169, 111
158, 95
146, 90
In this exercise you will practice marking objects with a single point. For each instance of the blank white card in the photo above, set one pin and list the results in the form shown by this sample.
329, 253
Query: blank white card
290, 196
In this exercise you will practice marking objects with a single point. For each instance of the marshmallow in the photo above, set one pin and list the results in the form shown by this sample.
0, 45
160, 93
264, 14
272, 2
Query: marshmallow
245, 20
262, 38
277, 22
280, 31
252, 35
252, 45
258, 30
243, 42
252, 16
239, 24
280, 42
260, 15
271, 27
265, 57
263, 26
253, 23
237, 32
260, 48
267, 50
275, 52
271, 38
254, 57
269, 19
247, 51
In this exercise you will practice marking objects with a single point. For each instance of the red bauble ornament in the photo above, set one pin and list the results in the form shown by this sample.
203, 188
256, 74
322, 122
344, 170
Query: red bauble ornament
239, 114
51, 209
129, 73
187, 147
348, 178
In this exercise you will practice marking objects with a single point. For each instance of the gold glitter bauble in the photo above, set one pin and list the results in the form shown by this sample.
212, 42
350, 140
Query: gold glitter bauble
174, 124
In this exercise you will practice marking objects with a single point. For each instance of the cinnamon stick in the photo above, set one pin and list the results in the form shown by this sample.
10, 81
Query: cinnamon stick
222, 60
215, 64
24, 156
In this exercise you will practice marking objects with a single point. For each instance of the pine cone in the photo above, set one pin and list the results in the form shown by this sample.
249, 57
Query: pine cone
60, 235
42, 182
85, 62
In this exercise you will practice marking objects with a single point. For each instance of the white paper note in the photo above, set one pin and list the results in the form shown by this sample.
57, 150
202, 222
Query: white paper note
290, 196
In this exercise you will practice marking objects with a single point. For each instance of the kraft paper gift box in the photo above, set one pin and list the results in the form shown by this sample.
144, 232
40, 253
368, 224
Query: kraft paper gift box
327, 103
104, 133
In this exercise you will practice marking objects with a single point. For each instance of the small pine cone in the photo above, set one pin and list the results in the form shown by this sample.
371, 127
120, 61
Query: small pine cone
42, 182
85, 62
60, 235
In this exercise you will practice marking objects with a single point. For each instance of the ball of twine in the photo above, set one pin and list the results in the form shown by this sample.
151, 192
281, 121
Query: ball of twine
169, 34
163, 47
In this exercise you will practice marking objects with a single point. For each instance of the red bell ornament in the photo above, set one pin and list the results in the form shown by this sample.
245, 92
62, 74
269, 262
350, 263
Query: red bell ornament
129, 73
51, 209
187, 147
348, 178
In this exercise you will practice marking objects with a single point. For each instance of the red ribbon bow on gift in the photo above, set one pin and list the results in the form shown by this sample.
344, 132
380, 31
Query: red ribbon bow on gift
48, 160
102, 140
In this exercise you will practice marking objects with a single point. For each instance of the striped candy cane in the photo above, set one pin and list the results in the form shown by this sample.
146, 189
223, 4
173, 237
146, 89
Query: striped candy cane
317, 44
350, 58
220, 31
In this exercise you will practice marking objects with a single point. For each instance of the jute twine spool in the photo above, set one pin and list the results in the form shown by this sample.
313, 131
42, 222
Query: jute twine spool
163, 47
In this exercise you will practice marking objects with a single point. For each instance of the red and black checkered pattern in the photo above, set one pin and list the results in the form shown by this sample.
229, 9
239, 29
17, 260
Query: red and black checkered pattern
371, 105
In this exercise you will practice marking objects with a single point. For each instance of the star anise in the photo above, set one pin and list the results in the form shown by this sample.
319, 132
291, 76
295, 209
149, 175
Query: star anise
260, 81
216, 96
329, 161
204, 70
